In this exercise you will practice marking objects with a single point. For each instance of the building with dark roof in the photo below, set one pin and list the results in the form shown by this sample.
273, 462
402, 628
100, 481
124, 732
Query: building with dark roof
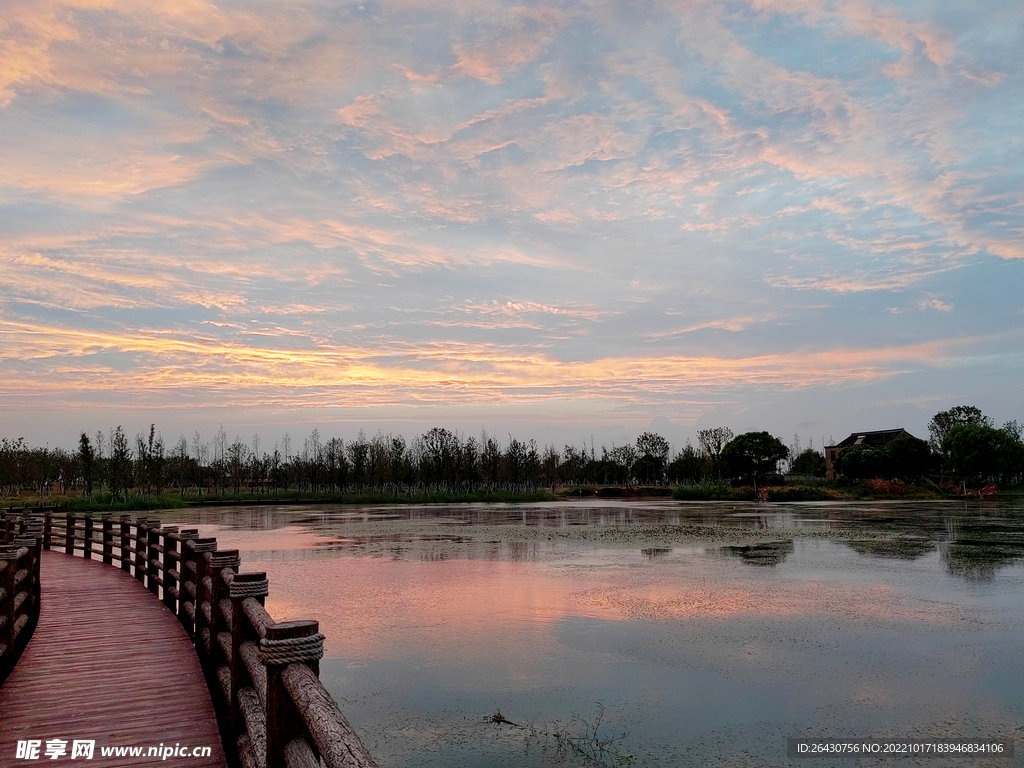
880, 438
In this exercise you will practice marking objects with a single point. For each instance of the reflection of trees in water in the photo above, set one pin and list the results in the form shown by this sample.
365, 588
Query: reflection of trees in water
976, 548
426, 548
768, 553
979, 561
900, 549
653, 553
975, 540
971, 552
964, 554
976, 537
238, 518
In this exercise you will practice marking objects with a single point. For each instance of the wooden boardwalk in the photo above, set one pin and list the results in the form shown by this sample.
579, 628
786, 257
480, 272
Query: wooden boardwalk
107, 662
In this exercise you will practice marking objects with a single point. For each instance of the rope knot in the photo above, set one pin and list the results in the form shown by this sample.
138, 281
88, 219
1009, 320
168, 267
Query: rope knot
292, 650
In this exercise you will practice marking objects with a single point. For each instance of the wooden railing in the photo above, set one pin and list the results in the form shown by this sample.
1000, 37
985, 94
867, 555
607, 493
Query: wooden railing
20, 546
263, 675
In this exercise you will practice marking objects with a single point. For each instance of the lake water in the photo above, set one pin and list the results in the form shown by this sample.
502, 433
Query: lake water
698, 633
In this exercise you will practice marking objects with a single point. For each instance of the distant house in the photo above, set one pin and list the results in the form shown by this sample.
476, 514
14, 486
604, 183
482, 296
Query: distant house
877, 439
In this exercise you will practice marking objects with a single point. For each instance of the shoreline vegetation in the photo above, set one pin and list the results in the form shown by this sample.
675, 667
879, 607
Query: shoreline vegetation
818, 492
965, 455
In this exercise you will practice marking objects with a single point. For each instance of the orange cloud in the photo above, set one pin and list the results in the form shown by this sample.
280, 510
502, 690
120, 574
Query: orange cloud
399, 372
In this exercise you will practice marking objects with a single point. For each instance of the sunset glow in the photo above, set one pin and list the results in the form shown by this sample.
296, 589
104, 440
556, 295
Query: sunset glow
794, 215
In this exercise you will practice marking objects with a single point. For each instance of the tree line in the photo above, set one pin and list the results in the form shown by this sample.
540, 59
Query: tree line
964, 444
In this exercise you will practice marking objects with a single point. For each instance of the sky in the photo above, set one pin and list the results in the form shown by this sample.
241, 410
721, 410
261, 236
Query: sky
554, 220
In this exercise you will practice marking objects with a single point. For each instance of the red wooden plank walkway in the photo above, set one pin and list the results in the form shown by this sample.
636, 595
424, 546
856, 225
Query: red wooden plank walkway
107, 662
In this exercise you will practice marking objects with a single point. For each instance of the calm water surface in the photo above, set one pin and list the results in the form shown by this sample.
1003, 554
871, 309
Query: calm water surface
694, 653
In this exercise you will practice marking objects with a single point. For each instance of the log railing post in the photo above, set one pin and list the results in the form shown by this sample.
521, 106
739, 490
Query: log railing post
108, 539
47, 529
126, 543
141, 547
187, 575
152, 572
87, 545
277, 650
30, 540
244, 585
218, 561
38, 564
7, 609
69, 534
203, 638
170, 561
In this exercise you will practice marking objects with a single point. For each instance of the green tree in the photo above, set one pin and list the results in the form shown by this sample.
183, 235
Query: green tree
398, 456
907, 458
809, 462
87, 458
119, 468
623, 459
653, 450
689, 466
574, 466
237, 456
860, 462
439, 456
469, 463
943, 421
490, 462
978, 453
150, 459
550, 464
533, 463
712, 442
359, 458
756, 454
515, 460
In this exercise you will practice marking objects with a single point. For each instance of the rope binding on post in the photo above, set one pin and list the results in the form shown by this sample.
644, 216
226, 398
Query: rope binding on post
204, 546
243, 589
292, 650
220, 562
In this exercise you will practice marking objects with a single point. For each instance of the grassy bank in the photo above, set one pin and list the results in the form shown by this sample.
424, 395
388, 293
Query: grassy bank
148, 502
107, 503
825, 491
415, 497
712, 492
